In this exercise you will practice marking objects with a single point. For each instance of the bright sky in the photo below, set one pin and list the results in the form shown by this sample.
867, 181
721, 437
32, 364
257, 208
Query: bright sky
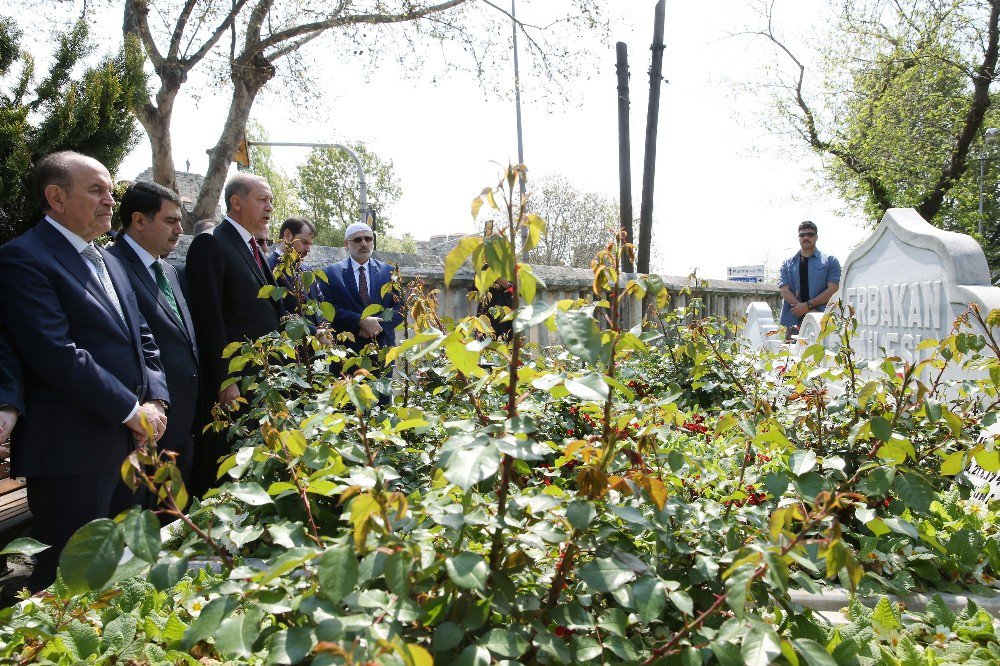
726, 194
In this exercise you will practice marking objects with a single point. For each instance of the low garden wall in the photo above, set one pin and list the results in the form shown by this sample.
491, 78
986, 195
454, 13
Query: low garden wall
719, 297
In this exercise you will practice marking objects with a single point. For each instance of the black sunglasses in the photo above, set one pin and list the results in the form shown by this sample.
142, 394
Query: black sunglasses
806, 234
363, 239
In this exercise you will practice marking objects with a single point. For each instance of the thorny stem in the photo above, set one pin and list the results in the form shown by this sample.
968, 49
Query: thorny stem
303, 495
507, 463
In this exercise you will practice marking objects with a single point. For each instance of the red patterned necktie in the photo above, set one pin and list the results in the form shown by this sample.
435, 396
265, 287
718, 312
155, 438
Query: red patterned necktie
256, 252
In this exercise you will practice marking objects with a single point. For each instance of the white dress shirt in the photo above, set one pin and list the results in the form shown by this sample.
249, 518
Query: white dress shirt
145, 257
368, 276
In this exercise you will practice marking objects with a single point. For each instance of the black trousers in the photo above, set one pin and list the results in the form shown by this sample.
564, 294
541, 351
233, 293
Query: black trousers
60, 505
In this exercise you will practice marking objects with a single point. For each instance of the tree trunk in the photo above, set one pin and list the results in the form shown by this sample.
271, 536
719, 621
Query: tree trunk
247, 82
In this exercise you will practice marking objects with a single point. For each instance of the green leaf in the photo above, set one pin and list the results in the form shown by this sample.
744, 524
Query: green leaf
605, 574
682, 600
23, 546
337, 572
884, 616
801, 462
468, 570
447, 635
237, 634
580, 514
474, 655
457, 257
760, 646
650, 598
881, 428
165, 573
813, 653
465, 360
505, 643
467, 467
579, 334
953, 463
590, 387
291, 646
736, 588
914, 491
250, 492
208, 622
938, 612
90, 558
83, 640
142, 534
397, 573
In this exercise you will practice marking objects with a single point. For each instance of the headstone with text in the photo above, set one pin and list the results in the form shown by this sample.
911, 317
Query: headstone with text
909, 281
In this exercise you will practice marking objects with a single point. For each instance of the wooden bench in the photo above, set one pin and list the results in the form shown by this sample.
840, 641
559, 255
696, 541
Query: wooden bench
14, 513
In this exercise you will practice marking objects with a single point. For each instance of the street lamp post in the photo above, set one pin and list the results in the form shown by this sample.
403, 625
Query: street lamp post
363, 188
988, 139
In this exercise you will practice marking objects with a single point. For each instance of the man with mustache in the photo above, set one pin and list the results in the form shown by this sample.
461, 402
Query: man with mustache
92, 373
151, 225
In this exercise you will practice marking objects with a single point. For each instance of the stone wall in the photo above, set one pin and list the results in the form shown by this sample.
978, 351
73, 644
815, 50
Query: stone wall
719, 297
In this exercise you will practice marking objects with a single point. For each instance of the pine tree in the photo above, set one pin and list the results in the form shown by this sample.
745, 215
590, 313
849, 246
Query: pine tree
89, 114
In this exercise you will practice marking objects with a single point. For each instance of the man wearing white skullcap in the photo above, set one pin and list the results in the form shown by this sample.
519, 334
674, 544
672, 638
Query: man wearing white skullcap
356, 283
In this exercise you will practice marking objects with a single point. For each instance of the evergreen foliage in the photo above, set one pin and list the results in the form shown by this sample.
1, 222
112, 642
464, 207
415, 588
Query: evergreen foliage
88, 113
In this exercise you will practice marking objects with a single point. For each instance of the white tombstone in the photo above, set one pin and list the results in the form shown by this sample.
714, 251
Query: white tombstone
908, 282
760, 331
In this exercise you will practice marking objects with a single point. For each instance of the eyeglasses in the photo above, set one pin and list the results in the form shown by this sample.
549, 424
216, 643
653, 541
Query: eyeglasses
807, 234
363, 239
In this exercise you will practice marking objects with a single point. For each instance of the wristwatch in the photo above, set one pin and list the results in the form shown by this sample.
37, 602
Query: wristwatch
810, 304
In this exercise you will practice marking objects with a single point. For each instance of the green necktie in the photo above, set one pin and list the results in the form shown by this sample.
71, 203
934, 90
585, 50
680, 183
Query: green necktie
164, 285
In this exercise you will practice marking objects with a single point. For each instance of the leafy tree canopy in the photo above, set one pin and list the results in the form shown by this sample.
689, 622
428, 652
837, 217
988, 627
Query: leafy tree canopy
578, 223
329, 189
89, 113
896, 98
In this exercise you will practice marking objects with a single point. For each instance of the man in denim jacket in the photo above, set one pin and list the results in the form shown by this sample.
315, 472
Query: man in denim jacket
808, 280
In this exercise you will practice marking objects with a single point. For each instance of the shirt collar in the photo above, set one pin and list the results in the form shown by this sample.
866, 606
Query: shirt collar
147, 259
244, 234
355, 265
78, 243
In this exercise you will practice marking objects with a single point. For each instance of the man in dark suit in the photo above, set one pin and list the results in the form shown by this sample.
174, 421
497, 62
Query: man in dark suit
151, 225
92, 371
225, 271
296, 233
356, 283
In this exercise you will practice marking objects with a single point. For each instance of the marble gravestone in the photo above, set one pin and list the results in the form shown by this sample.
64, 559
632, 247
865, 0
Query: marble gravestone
906, 283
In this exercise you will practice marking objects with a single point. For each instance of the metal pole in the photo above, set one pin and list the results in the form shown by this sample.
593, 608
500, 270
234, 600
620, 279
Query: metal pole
649, 163
624, 152
520, 139
982, 177
357, 162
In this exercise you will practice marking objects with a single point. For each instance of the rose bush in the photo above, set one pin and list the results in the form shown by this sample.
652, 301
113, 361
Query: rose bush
636, 495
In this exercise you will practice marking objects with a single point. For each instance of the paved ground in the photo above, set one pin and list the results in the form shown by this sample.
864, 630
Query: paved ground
19, 568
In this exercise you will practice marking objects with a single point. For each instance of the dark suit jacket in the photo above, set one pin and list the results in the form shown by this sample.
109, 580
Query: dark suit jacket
290, 304
223, 282
342, 291
84, 368
175, 339
11, 379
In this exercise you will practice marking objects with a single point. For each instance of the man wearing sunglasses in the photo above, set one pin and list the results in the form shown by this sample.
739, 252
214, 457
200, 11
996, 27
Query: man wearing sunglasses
808, 280
356, 283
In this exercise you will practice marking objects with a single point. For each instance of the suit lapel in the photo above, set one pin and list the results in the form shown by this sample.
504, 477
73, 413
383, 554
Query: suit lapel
244, 251
78, 267
122, 288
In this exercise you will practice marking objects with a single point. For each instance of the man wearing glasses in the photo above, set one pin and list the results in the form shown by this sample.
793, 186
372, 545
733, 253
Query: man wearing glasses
808, 280
356, 283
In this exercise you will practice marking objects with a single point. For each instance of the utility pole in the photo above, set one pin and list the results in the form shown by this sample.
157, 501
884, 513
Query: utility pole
624, 152
520, 141
649, 160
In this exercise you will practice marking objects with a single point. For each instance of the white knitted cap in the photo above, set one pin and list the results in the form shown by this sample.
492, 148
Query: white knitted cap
355, 228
